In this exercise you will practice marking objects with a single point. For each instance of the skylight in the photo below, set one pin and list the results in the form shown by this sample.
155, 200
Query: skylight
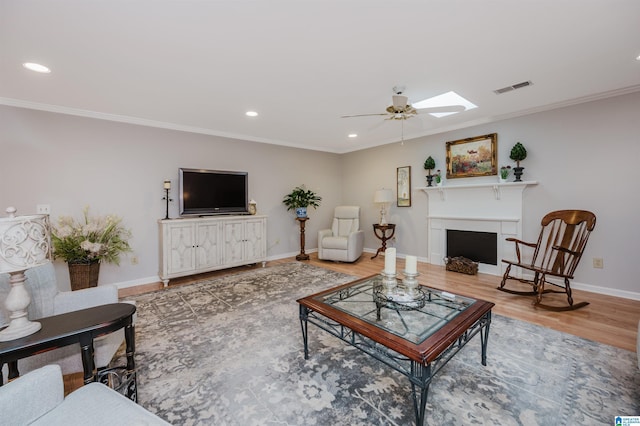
446, 99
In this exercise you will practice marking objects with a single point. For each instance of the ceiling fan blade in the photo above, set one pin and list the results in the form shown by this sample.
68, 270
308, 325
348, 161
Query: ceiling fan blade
361, 115
447, 108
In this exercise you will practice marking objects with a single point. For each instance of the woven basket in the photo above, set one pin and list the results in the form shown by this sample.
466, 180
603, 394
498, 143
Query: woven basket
84, 274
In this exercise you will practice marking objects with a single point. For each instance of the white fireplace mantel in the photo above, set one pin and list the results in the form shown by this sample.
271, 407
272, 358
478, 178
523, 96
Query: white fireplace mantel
483, 207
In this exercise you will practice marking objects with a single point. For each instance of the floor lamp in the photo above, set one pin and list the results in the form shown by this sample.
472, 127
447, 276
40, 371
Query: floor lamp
25, 242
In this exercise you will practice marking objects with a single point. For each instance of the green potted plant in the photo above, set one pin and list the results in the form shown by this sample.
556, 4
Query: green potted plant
301, 198
518, 153
504, 173
429, 164
438, 178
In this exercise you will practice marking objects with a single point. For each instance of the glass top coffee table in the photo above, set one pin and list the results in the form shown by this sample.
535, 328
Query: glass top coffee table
414, 333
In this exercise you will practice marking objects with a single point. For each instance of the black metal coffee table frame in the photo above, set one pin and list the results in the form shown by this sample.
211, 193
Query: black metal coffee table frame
421, 369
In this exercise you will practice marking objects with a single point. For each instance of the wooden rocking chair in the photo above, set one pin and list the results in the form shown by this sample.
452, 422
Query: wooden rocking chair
562, 240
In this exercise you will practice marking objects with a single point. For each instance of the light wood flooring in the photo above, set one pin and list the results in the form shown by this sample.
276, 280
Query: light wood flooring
606, 319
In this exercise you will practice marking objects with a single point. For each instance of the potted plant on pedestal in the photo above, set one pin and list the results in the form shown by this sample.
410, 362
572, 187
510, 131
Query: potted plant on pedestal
518, 153
301, 198
84, 244
429, 164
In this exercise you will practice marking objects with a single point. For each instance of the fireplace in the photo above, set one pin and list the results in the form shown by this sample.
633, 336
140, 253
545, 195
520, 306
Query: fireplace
478, 246
493, 210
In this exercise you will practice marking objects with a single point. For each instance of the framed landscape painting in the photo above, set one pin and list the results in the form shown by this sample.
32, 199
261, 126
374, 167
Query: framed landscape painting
472, 156
404, 186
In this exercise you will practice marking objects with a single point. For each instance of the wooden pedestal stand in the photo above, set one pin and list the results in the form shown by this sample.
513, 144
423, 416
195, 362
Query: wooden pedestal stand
302, 255
380, 232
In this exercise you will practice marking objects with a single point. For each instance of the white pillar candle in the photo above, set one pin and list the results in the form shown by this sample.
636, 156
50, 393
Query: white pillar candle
411, 265
390, 260
167, 184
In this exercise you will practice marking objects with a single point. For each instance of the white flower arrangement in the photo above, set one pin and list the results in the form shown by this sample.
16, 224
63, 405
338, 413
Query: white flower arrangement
94, 238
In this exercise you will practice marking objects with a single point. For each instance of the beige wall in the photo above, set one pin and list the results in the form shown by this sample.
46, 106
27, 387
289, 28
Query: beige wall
582, 156
70, 162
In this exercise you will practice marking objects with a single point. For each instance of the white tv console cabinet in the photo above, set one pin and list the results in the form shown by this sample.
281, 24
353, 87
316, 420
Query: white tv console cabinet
194, 245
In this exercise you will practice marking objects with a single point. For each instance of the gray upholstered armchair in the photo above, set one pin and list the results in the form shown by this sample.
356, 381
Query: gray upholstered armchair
37, 398
47, 300
344, 242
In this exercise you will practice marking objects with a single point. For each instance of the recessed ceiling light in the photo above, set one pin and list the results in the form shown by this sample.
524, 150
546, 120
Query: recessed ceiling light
353, 135
251, 114
638, 58
36, 67
446, 99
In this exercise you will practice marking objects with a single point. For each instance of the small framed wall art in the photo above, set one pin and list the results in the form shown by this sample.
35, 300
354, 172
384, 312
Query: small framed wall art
472, 156
404, 186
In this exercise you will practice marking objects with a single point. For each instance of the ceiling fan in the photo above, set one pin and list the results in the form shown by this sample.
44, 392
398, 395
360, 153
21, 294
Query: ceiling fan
400, 109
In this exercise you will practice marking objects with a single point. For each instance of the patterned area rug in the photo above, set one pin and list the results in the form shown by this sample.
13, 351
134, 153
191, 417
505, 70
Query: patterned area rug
228, 351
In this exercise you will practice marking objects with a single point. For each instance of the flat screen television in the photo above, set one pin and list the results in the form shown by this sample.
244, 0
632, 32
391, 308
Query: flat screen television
212, 192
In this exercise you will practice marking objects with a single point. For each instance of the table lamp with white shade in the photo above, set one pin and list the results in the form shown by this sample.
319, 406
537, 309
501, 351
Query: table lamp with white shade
384, 197
25, 242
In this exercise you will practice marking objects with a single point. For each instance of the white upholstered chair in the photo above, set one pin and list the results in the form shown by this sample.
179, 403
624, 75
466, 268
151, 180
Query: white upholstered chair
344, 242
37, 398
47, 300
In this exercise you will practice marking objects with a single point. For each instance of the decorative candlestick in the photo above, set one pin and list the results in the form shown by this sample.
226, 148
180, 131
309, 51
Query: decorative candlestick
411, 283
167, 188
389, 282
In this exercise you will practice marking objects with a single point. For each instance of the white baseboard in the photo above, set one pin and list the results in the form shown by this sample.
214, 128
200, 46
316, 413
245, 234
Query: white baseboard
595, 289
139, 281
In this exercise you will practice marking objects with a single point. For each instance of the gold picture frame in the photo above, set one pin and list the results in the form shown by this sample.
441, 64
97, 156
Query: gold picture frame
404, 186
472, 157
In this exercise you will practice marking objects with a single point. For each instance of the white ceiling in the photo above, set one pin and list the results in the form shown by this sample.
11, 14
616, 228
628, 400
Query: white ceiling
198, 65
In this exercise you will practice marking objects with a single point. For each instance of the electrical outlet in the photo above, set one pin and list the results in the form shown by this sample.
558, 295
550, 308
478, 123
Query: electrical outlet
43, 209
598, 262
134, 260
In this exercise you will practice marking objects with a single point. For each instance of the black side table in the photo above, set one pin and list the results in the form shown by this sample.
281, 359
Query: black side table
380, 231
81, 327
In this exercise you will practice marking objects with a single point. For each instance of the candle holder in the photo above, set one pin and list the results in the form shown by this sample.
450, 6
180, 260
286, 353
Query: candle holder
167, 188
389, 282
411, 283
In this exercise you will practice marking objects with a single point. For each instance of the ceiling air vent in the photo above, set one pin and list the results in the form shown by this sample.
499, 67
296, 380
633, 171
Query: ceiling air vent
514, 87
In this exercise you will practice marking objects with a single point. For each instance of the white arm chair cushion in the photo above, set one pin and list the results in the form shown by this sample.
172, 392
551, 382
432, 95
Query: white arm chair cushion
28, 398
47, 300
344, 242
37, 398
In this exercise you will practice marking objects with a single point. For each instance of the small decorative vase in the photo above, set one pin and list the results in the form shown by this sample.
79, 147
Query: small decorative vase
517, 172
429, 180
503, 180
439, 183
253, 209
301, 211
84, 274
